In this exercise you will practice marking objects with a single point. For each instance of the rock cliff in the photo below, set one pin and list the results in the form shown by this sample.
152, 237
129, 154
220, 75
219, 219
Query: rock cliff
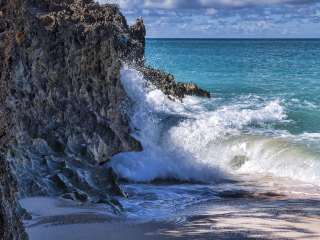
165, 82
65, 91
10, 224
60, 85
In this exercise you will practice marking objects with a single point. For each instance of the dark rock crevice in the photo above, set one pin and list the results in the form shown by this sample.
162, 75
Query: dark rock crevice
65, 92
10, 224
60, 117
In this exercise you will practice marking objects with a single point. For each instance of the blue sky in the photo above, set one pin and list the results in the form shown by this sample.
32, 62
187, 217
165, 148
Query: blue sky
225, 18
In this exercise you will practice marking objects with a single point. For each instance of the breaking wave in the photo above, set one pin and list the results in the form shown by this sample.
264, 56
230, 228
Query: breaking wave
200, 140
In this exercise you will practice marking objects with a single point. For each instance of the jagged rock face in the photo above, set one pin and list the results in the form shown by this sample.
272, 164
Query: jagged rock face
60, 99
10, 223
136, 46
165, 82
65, 92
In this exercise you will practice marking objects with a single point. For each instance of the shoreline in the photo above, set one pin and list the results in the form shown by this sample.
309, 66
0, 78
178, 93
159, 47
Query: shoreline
255, 217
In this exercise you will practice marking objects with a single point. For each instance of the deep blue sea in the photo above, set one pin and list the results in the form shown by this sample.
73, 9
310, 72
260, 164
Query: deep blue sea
234, 70
259, 131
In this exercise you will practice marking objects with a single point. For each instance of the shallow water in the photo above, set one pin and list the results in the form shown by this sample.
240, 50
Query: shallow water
261, 124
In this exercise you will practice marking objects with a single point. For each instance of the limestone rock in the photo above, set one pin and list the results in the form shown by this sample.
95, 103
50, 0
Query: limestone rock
137, 34
192, 89
10, 221
60, 116
165, 82
65, 93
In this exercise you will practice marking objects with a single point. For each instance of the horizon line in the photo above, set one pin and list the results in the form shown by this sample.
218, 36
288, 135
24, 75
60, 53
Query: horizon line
259, 38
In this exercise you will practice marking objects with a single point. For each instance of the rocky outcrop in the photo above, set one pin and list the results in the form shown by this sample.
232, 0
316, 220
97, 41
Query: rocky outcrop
136, 45
165, 82
10, 223
65, 93
60, 117
60, 84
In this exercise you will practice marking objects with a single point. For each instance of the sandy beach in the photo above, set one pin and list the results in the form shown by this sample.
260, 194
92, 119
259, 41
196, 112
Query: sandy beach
233, 217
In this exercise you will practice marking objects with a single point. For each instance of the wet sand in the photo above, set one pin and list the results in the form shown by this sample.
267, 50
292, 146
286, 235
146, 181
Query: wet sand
259, 216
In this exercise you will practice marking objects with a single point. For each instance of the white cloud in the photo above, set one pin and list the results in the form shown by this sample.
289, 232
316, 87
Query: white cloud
251, 18
145, 12
160, 12
183, 26
193, 4
201, 28
211, 11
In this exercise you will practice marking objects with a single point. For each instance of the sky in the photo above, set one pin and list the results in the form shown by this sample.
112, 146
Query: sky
224, 18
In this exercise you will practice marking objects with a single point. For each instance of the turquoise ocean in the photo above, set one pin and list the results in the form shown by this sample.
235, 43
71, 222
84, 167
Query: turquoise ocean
259, 131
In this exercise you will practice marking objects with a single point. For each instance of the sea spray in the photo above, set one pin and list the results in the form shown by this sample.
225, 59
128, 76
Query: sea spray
151, 118
203, 143
261, 156
186, 141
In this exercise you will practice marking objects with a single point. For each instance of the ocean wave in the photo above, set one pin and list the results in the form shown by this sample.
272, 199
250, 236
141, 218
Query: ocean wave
193, 141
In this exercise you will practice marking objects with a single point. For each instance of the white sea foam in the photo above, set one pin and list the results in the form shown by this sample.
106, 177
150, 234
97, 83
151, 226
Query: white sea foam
269, 156
185, 141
